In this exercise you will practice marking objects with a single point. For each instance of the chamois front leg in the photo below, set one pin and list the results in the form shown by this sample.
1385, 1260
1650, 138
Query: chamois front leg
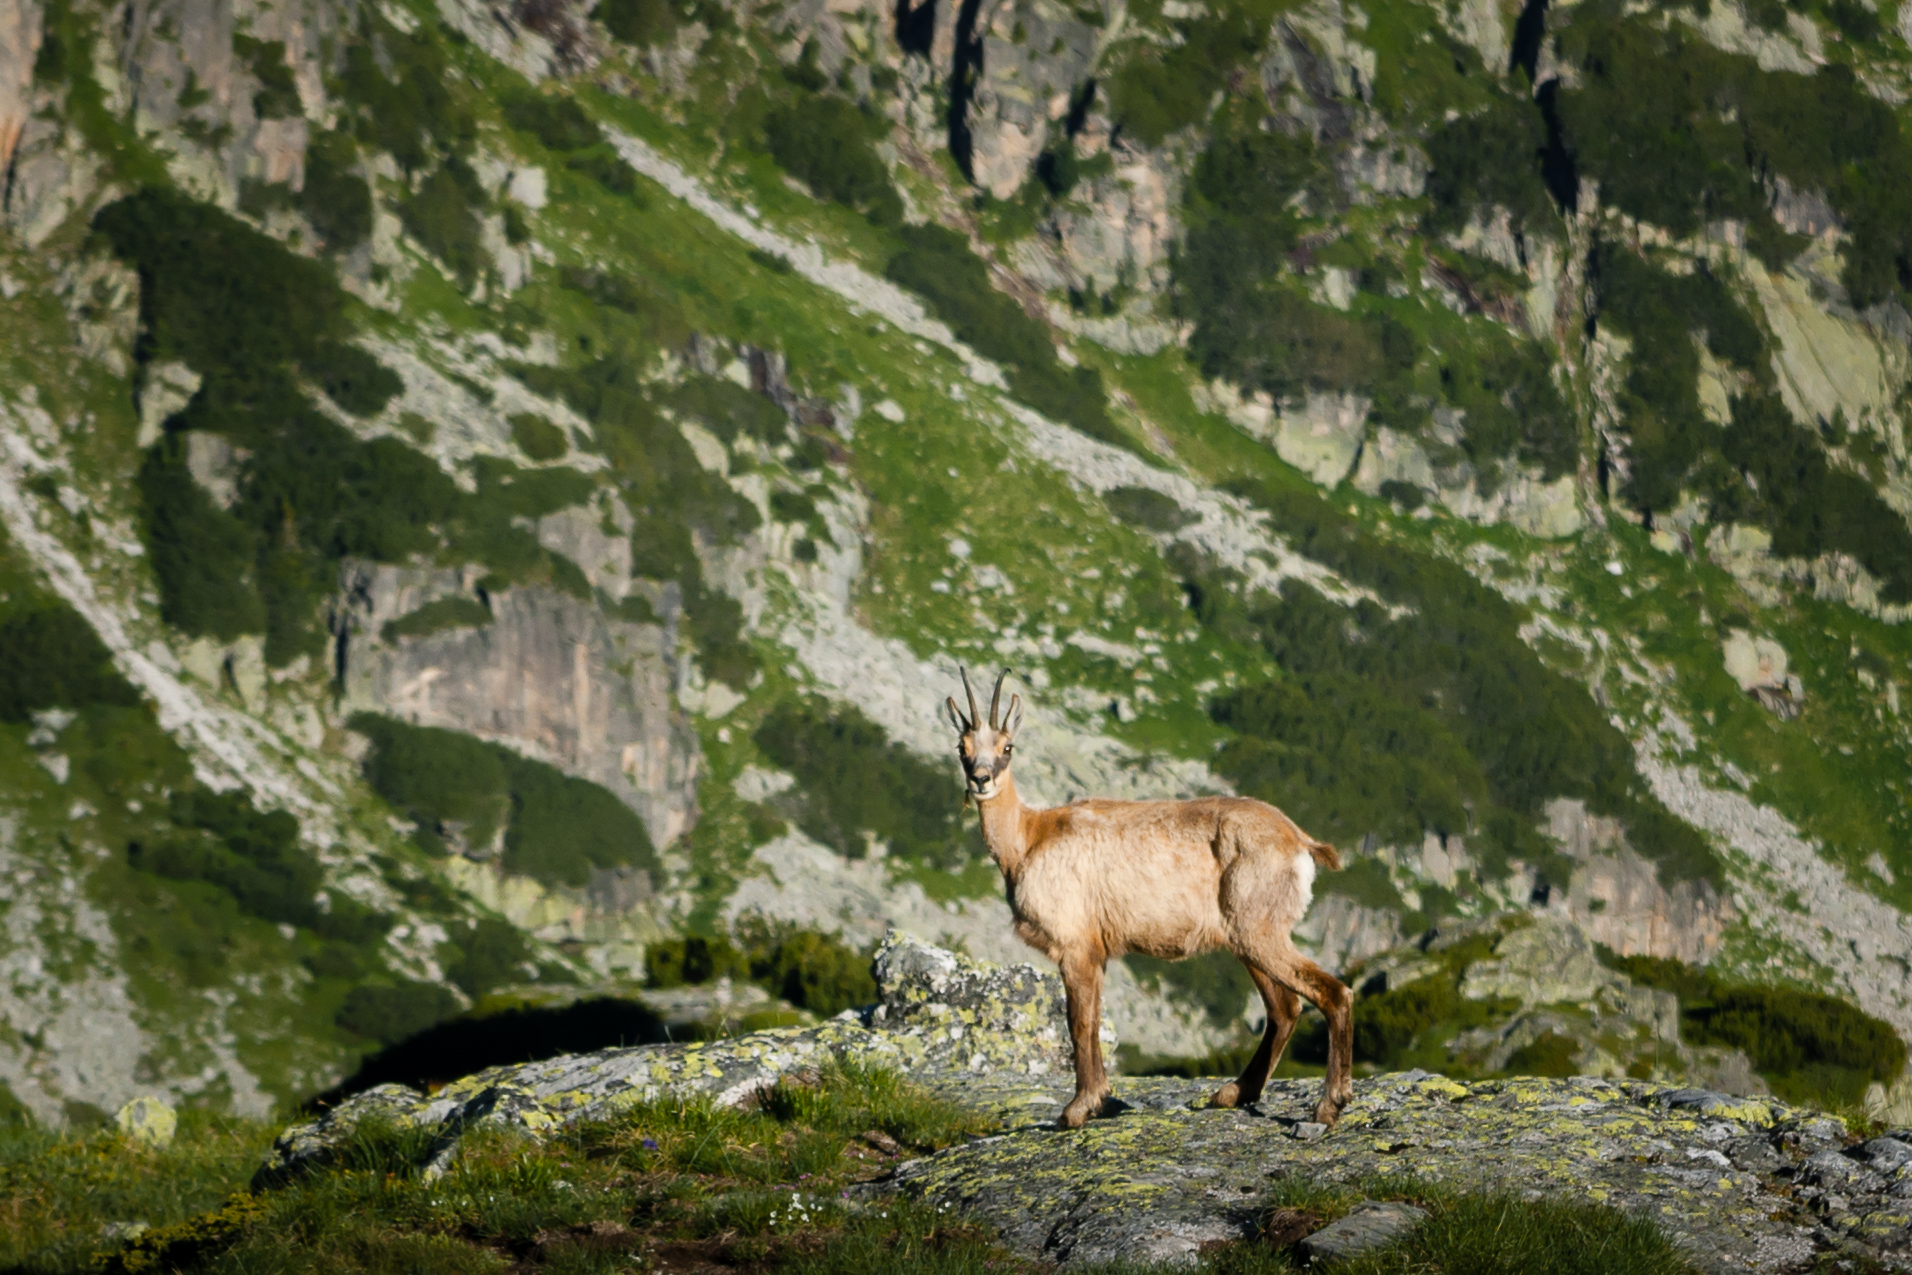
1283, 1007
1082, 981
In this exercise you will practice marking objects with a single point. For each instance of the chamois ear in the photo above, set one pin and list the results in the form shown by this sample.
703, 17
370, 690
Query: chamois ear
1013, 722
956, 716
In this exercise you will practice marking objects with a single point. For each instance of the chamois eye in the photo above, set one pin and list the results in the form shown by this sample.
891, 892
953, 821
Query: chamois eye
1008, 749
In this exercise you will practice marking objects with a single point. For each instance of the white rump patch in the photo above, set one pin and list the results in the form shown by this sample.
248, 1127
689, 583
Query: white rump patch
1304, 875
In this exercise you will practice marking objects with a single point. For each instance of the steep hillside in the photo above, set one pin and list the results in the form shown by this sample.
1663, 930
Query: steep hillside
488, 489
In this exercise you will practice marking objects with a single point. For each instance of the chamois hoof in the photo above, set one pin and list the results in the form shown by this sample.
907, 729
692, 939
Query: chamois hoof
1329, 1109
1083, 1110
1229, 1095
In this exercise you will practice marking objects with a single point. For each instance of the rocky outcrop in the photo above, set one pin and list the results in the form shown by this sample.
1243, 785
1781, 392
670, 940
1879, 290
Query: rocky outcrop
939, 1019
551, 675
1742, 1183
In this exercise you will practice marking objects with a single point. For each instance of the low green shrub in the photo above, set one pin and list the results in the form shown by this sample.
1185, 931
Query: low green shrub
555, 119
538, 438
1552, 1054
401, 94
728, 409
436, 777
1489, 160
644, 23
810, 969
436, 616
1490, 723
1147, 508
828, 144
853, 782
203, 557
442, 218
278, 95
391, 1012
1811, 1047
488, 953
558, 829
352, 378
335, 199
936, 263
563, 828
51, 658
1160, 90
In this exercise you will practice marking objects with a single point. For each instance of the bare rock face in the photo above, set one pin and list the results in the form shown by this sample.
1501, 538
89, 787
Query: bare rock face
551, 676
1617, 897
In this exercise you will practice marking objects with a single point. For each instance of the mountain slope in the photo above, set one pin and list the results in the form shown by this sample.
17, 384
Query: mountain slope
559, 459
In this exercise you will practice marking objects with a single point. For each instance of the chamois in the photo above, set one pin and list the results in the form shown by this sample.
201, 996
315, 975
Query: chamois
1095, 879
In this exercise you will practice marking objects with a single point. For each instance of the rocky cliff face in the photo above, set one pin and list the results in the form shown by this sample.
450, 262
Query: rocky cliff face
716, 464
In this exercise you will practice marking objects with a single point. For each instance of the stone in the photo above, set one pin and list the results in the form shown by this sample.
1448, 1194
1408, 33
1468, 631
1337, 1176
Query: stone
1370, 1225
940, 1018
147, 1120
1547, 963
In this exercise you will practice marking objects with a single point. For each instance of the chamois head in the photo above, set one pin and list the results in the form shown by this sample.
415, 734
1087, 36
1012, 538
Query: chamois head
985, 748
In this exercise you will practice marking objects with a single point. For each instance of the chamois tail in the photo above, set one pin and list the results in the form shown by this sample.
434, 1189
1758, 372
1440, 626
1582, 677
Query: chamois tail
1325, 855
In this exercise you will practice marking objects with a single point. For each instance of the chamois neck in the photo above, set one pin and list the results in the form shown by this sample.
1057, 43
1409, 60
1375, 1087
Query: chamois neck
1005, 827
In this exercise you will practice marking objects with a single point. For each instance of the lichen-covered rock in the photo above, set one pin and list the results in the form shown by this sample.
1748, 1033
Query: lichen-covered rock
940, 1019
1745, 1184
955, 1016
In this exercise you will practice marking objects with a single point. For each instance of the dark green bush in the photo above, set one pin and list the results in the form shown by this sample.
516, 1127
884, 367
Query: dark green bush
388, 1014
335, 199
352, 378
404, 97
1551, 1055
202, 556
1678, 133
1490, 160
278, 95
51, 658
456, 612
1781, 478
1513, 406
558, 829
556, 120
563, 828
254, 856
225, 299
693, 960
1812, 1048
488, 953
852, 780
827, 143
1803, 1042
441, 217
1215, 981
936, 264
1158, 91
728, 409
538, 438
1146, 508
645, 23
436, 777
811, 970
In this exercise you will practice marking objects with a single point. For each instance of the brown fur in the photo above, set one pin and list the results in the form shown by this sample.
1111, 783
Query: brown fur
1096, 879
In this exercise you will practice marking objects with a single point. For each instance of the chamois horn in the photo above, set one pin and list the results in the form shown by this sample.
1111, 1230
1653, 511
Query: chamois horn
996, 698
975, 714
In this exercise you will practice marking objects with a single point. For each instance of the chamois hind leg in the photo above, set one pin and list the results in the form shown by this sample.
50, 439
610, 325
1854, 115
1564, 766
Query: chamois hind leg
1082, 981
1284, 1007
1278, 958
